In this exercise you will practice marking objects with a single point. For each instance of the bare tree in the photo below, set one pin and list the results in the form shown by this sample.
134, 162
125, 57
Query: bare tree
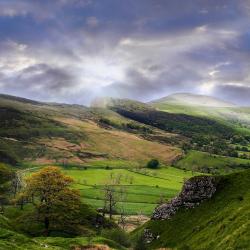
110, 200
123, 198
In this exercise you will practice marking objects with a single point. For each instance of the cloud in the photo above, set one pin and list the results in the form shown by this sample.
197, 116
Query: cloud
235, 93
40, 10
72, 50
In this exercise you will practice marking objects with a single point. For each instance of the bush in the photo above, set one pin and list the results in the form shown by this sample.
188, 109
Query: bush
140, 243
117, 235
154, 164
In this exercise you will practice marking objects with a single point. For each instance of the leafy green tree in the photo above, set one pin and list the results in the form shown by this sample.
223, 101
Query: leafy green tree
154, 164
57, 205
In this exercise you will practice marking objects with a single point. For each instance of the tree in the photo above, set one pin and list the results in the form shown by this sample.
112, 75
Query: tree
6, 175
154, 163
113, 195
110, 200
123, 198
57, 205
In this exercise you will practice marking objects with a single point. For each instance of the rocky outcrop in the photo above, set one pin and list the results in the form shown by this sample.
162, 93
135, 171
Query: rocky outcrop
194, 191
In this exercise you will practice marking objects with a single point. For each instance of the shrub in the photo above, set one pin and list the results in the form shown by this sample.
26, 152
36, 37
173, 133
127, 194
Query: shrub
154, 164
140, 243
117, 235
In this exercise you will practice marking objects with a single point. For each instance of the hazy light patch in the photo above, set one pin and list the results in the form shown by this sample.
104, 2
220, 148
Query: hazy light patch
98, 72
207, 88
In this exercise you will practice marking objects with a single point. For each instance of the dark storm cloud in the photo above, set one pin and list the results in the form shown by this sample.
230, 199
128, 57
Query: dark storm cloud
68, 50
39, 81
44, 77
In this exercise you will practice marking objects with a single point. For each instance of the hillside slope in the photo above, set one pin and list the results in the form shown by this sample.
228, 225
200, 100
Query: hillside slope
48, 133
186, 125
205, 106
194, 100
222, 222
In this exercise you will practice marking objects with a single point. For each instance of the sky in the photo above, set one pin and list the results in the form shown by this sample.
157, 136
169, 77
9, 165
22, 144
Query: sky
73, 51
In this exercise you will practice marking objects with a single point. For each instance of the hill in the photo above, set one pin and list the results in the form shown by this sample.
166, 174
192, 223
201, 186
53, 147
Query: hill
193, 100
45, 133
211, 163
176, 123
221, 222
125, 134
205, 106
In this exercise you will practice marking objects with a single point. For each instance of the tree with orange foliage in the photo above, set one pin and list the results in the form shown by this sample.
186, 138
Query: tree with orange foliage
57, 205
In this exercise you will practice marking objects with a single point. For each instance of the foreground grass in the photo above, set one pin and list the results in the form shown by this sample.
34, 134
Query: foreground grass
10, 240
223, 222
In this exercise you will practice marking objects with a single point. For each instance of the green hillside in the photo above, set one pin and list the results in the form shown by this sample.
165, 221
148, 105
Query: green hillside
219, 223
211, 163
45, 133
187, 125
237, 117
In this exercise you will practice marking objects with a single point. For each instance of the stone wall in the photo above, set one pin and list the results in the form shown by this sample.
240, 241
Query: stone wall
194, 191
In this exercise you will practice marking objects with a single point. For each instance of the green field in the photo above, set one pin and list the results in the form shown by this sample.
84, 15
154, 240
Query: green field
143, 189
199, 161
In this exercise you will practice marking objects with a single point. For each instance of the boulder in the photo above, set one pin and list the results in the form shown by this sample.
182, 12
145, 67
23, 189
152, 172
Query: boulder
194, 191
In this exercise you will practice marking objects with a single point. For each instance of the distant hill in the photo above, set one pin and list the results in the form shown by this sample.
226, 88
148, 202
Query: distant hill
183, 124
121, 130
45, 133
194, 100
206, 106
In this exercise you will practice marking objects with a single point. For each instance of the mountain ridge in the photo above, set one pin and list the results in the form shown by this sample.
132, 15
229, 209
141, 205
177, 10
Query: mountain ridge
193, 100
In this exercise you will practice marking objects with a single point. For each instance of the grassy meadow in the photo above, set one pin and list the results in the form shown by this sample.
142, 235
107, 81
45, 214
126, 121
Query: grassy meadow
198, 161
143, 187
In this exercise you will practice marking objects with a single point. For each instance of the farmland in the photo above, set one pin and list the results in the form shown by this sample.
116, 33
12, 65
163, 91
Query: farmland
143, 187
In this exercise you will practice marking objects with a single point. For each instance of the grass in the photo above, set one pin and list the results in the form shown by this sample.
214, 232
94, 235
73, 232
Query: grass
112, 163
196, 160
43, 133
223, 222
10, 240
234, 116
67, 243
143, 188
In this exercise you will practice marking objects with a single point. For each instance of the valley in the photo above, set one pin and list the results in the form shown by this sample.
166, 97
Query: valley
106, 151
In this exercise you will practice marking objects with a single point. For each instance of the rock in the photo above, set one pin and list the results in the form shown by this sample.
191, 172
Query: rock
148, 236
194, 191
